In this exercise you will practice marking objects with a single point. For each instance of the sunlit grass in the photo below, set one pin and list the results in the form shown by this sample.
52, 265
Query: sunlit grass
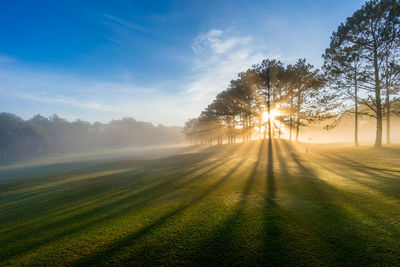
230, 204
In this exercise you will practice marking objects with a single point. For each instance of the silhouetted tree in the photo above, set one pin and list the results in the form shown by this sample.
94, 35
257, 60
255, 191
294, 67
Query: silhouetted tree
371, 33
343, 69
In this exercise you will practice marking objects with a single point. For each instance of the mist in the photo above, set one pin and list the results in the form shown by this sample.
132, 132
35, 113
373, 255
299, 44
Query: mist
344, 132
54, 136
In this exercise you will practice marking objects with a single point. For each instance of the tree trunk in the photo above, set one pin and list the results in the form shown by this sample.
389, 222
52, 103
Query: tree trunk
234, 133
279, 131
265, 130
259, 126
244, 129
298, 117
229, 134
291, 116
269, 111
355, 112
290, 127
250, 129
378, 140
387, 112
273, 129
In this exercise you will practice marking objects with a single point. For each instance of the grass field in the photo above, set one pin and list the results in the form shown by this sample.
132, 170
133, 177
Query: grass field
251, 204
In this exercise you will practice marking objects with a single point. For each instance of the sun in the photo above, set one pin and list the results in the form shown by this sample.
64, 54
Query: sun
274, 113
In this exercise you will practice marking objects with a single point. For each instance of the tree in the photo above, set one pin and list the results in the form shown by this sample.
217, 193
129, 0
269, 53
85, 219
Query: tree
390, 77
306, 82
372, 32
270, 72
343, 69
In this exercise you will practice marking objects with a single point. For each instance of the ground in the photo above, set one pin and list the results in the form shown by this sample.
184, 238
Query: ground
244, 204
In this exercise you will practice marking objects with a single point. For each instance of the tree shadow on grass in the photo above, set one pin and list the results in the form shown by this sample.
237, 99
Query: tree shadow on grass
343, 236
275, 252
64, 175
109, 250
231, 244
387, 187
271, 189
360, 166
391, 150
69, 194
224, 245
118, 205
379, 181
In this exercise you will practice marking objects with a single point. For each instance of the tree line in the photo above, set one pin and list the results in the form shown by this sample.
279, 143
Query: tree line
360, 76
39, 136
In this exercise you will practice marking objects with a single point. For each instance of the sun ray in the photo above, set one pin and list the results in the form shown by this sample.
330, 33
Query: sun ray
274, 114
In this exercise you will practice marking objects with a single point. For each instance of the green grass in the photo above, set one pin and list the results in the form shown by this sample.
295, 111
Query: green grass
247, 204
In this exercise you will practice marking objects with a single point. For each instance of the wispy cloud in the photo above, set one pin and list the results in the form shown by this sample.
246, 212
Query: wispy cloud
218, 42
220, 56
64, 100
124, 23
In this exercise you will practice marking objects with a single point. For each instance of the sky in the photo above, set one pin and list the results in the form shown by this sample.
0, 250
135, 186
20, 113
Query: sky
157, 61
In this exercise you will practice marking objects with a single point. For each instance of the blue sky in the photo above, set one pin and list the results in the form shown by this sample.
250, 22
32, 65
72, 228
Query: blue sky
157, 61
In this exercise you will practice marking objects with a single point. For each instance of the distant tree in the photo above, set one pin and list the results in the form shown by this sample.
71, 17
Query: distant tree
244, 94
20, 139
306, 83
190, 130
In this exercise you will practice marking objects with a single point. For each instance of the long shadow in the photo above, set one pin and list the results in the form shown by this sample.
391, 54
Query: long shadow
39, 195
377, 217
356, 164
113, 209
142, 167
271, 190
223, 245
387, 185
114, 247
341, 232
64, 171
67, 194
391, 150
283, 167
64, 175
274, 238
73, 164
